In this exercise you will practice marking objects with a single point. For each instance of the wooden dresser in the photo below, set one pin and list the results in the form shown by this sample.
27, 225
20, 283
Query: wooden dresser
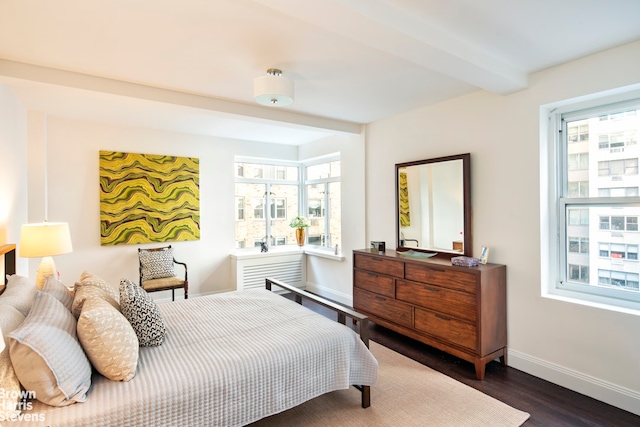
460, 310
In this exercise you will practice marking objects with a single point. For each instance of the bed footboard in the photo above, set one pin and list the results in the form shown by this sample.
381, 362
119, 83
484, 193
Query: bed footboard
361, 320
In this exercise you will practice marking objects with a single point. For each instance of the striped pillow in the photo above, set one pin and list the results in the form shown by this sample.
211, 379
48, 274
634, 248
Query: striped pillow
47, 356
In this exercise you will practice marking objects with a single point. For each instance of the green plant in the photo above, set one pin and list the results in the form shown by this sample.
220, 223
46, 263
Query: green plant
299, 222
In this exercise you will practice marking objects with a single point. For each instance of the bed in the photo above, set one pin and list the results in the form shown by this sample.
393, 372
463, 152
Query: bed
228, 360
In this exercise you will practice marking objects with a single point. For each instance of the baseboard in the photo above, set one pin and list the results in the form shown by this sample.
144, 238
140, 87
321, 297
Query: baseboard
614, 395
331, 294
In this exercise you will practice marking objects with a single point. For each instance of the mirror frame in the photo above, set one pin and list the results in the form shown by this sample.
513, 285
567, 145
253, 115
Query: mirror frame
466, 182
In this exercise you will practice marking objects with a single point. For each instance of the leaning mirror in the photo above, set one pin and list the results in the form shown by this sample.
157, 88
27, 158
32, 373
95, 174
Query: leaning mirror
433, 205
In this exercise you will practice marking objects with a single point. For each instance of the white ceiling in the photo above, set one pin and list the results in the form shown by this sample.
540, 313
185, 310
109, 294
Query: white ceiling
352, 61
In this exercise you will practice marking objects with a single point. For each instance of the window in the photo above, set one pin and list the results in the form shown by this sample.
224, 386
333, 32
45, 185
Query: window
269, 194
596, 182
322, 196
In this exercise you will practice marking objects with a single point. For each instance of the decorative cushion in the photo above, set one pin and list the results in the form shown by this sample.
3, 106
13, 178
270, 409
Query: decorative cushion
10, 319
157, 264
88, 279
108, 339
90, 286
59, 291
47, 356
143, 314
19, 293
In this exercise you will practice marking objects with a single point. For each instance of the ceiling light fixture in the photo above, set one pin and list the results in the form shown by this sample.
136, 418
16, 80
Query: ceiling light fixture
274, 89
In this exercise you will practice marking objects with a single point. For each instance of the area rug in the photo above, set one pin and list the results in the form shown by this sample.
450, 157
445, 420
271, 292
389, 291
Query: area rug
407, 393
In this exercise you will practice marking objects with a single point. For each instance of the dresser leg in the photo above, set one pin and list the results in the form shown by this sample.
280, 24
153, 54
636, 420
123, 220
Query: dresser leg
503, 358
480, 367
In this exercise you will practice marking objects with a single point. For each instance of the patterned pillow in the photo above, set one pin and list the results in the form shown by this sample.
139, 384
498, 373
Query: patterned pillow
157, 264
58, 290
108, 339
88, 279
143, 314
91, 286
10, 319
47, 356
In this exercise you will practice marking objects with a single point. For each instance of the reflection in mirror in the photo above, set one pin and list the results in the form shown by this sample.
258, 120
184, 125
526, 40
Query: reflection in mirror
433, 205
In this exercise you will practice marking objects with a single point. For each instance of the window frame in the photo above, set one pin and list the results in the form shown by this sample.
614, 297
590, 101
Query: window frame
302, 183
555, 200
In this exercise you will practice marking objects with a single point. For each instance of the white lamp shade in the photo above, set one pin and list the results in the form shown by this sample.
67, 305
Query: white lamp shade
1, 341
45, 239
273, 90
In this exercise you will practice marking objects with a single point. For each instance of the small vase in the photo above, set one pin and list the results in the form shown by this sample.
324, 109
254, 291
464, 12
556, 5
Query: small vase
300, 236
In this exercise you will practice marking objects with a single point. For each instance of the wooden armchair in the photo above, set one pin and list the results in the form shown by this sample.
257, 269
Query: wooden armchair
157, 271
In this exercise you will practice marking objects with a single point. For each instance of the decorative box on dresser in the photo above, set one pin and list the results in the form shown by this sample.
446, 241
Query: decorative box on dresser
459, 310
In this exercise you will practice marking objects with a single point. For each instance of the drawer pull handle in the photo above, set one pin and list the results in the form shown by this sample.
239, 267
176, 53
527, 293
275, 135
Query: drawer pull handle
380, 298
429, 288
440, 316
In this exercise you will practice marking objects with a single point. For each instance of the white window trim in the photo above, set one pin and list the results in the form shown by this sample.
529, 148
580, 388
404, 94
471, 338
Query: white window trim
550, 182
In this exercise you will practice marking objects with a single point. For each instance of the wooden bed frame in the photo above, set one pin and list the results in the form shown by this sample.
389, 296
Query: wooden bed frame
361, 320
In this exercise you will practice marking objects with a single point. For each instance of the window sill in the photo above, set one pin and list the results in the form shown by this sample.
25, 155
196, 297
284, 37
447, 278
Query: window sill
323, 254
255, 252
594, 304
306, 250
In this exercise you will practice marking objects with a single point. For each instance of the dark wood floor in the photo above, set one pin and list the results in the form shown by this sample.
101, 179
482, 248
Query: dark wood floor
549, 405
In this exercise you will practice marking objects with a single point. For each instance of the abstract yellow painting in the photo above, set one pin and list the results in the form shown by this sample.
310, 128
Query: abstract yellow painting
148, 198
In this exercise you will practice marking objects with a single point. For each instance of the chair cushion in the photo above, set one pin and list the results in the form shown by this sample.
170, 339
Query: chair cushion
165, 282
46, 354
108, 339
143, 314
10, 320
157, 264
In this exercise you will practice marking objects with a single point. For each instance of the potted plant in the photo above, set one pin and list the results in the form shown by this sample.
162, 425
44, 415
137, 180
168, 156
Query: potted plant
299, 223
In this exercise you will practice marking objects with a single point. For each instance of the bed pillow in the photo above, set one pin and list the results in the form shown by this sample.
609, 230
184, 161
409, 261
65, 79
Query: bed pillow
157, 264
59, 291
19, 293
47, 356
90, 286
10, 320
143, 314
108, 340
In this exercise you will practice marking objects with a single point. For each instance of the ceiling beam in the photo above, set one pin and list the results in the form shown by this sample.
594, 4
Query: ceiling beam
399, 32
75, 80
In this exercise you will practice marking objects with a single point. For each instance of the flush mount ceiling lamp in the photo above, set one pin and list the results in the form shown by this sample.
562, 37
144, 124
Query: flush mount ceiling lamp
274, 89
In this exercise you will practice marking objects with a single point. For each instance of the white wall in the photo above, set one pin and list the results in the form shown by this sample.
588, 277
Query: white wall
13, 173
73, 188
332, 278
590, 350
72, 148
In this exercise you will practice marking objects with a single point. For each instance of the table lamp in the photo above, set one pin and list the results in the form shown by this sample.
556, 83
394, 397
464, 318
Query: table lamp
45, 240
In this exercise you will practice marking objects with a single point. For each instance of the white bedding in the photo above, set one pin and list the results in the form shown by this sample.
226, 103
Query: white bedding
227, 360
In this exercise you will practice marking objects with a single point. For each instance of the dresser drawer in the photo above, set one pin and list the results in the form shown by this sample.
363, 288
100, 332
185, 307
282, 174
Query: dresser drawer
446, 328
387, 308
374, 282
386, 266
446, 301
450, 278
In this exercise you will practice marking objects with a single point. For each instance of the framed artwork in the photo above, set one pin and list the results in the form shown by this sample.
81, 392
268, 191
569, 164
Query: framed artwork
484, 255
148, 198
